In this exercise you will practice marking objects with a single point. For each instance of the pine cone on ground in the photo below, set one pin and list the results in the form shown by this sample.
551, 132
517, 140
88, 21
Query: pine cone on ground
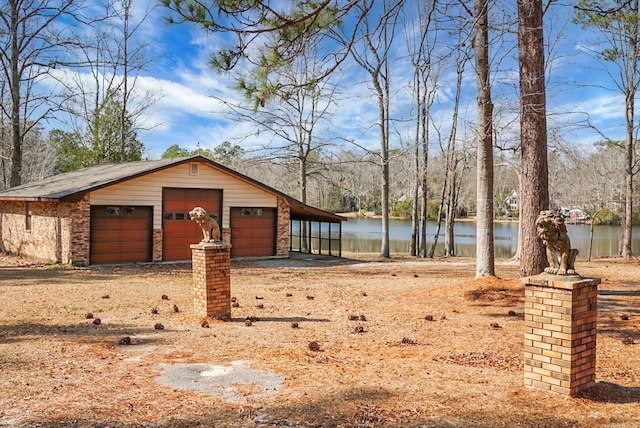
628, 340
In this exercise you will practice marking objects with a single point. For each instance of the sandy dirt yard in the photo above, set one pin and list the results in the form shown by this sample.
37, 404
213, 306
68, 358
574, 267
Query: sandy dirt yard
400, 343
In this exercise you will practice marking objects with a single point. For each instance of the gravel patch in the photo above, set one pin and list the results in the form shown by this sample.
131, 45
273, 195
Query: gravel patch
234, 382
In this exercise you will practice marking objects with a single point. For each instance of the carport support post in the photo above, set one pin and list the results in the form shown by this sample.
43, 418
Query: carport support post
212, 280
560, 314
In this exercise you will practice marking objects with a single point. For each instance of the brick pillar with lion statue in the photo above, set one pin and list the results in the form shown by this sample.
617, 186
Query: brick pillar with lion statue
211, 265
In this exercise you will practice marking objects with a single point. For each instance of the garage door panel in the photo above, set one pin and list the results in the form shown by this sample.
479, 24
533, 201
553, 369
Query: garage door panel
252, 232
120, 234
131, 234
179, 235
109, 247
107, 258
260, 233
135, 225
179, 241
134, 246
102, 235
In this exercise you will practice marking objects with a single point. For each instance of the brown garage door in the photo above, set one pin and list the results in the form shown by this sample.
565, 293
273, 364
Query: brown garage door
178, 231
253, 232
120, 234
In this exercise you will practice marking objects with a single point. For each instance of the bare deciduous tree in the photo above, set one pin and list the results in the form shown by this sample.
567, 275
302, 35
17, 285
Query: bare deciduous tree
426, 66
111, 60
450, 180
484, 181
378, 34
619, 25
33, 41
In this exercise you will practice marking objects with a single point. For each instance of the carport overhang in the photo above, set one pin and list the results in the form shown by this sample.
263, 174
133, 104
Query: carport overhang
303, 216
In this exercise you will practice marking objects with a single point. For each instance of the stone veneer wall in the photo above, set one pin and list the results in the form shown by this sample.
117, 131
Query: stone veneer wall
560, 333
282, 230
158, 236
49, 237
59, 231
226, 235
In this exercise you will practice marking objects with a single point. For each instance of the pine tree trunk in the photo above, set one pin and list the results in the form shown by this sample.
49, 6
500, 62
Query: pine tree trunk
533, 134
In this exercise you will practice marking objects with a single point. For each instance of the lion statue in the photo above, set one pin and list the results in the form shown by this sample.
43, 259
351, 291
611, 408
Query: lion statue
210, 228
553, 232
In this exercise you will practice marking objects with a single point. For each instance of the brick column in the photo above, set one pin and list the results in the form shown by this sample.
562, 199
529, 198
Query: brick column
80, 233
282, 229
158, 236
212, 280
560, 332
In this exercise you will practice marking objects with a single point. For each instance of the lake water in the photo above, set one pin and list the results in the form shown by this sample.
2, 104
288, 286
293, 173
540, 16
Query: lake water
363, 235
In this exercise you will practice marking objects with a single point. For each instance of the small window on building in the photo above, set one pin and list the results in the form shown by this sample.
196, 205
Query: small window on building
194, 169
252, 212
168, 216
179, 216
28, 216
113, 211
128, 210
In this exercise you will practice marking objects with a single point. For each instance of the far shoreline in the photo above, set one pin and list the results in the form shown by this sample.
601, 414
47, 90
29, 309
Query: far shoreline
372, 215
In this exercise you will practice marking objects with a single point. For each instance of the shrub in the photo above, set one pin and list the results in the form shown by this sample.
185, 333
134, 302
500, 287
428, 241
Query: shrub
606, 216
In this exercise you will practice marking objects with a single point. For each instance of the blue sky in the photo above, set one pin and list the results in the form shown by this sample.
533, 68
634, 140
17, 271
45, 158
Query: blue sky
186, 113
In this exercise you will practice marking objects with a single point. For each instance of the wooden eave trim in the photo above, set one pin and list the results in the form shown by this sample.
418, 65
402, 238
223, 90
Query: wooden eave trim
28, 199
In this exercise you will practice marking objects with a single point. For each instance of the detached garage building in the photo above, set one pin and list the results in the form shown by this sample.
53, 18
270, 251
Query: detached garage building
138, 212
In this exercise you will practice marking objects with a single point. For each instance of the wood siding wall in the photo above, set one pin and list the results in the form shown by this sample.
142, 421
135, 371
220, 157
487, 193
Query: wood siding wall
147, 190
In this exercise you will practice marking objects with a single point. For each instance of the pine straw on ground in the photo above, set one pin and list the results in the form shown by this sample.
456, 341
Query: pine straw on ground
402, 343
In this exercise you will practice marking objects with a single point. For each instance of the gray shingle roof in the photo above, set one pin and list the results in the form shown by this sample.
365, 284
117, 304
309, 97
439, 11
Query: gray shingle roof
66, 185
